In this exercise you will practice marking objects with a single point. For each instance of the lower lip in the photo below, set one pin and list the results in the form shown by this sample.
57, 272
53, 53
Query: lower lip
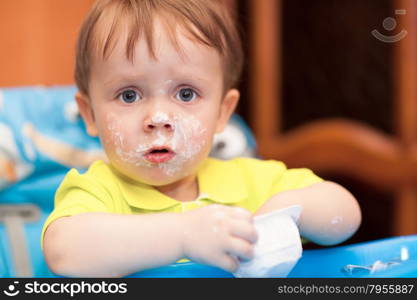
157, 158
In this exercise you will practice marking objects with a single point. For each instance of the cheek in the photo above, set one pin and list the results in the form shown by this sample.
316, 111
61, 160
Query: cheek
191, 134
113, 133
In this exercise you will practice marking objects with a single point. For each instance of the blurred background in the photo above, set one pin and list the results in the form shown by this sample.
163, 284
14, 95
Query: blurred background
319, 89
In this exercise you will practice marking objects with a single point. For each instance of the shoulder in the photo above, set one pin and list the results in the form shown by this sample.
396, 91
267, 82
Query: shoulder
252, 172
97, 178
249, 180
249, 166
264, 173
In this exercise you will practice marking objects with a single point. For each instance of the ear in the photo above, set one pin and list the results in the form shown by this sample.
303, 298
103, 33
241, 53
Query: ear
227, 107
86, 111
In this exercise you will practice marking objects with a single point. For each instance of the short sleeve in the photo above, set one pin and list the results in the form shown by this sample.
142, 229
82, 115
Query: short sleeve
292, 179
78, 194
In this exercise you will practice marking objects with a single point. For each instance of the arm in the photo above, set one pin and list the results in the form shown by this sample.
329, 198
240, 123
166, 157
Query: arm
330, 213
110, 245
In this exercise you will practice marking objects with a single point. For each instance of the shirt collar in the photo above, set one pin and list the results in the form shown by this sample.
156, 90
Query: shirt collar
219, 181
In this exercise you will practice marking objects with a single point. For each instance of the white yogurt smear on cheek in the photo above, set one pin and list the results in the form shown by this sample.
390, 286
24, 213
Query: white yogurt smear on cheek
116, 137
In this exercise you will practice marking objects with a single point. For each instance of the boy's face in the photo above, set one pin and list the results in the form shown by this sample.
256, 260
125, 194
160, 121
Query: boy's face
156, 118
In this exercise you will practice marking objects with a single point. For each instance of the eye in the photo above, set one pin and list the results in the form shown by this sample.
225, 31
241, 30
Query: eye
129, 96
186, 95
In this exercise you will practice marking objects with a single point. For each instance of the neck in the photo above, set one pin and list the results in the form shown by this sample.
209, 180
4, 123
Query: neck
183, 190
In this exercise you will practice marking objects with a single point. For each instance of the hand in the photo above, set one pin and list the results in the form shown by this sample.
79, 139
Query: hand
219, 235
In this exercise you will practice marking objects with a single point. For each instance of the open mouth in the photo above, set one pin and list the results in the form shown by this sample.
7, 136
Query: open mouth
159, 151
159, 154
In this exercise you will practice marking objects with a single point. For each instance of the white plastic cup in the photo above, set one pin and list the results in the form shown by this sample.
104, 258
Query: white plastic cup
278, 247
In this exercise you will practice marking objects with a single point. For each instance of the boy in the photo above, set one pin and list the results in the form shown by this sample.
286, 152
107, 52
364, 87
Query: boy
155, 81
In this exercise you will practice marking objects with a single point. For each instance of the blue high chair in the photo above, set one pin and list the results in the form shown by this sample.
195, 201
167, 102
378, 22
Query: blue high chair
27, 187
392, 257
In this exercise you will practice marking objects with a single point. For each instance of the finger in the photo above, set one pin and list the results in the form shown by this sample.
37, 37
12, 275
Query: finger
228, 263
240, 248
244, 230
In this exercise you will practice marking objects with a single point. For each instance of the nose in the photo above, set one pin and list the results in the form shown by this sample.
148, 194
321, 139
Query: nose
159, 121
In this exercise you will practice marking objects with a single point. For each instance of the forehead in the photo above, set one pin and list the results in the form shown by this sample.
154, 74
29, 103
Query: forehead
173, 47
118, 30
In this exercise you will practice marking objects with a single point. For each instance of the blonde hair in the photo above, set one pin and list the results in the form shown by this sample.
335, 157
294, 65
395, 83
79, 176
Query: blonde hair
208, 21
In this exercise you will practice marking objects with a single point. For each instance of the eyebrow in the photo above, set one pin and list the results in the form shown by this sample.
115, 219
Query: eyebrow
134, 78
121, 79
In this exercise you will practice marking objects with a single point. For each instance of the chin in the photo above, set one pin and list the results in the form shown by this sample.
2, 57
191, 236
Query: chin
160, 174
156, 175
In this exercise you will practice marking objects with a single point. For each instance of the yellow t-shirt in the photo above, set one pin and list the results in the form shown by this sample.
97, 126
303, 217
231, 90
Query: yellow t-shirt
243, 182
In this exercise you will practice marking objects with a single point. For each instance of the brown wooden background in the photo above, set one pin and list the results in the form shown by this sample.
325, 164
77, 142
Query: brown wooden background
340, 101
318, 89
37, 40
